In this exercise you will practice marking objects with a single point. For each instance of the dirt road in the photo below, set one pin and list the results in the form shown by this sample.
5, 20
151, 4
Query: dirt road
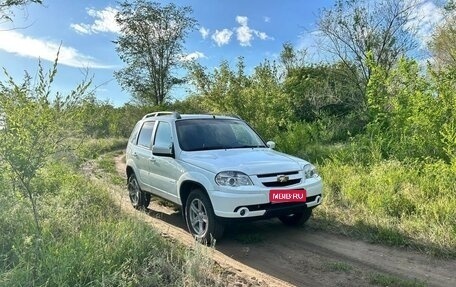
268, 253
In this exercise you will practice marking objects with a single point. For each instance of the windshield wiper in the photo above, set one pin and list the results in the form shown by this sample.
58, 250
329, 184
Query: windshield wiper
248, 146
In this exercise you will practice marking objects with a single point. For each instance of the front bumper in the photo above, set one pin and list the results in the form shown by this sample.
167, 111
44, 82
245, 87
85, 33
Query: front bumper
254, 203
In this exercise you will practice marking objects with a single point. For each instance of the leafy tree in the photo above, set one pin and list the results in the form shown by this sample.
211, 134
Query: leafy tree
412, 115
292, 59
443, 43
258, 98
321, 90
6, 5
37, 125
151, 45
220, 90
351, 29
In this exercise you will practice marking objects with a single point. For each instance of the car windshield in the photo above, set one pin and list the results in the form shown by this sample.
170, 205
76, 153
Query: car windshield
207, 134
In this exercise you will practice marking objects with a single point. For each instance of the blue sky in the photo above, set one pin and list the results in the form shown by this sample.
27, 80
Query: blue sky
253, 29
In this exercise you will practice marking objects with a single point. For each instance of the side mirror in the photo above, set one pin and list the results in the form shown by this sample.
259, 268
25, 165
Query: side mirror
271, 144
163, 151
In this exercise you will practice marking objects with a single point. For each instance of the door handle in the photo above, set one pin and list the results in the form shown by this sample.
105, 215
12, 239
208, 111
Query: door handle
152, 159
135, 154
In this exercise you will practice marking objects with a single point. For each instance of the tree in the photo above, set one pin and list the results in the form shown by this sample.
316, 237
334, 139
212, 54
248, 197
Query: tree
151, 45
257, 98
36, 126
6, 5
291, 58
443, 43
322, 90
352, 29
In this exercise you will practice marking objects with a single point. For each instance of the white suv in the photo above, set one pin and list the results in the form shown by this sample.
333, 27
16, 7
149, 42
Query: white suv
218, 169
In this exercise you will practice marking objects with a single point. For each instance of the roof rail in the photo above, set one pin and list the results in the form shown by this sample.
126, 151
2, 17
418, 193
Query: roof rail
162, 113
227, 115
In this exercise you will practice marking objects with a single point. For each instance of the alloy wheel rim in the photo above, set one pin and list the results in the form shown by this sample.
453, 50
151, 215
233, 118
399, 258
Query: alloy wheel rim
198, 217
133, 190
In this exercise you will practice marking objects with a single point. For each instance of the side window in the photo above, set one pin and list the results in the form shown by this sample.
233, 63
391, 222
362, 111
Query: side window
145, 135
134, 134
163, 136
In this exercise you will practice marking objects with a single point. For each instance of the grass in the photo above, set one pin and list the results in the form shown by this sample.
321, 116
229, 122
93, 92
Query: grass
392, 281
93, 148
392, 203
107, 164
86, 241
336, 266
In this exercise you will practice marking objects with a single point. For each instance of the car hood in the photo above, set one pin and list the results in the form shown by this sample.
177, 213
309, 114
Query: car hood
250, 161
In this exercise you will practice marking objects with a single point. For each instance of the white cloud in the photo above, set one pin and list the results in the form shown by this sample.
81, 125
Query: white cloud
245, 34
267, 19
242, 20
262, 35
25, 46
104, 21
81, 28
222, 37
424, 18
193, 56
204, 32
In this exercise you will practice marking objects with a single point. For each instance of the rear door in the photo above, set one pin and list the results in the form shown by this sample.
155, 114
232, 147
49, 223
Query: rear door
142, 154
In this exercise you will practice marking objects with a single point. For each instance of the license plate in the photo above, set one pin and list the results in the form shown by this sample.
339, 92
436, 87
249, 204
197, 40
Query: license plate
287, 195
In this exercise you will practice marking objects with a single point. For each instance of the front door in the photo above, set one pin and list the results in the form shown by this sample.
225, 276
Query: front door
165, 171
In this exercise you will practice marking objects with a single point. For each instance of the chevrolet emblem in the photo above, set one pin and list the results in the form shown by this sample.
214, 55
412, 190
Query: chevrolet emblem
282, 178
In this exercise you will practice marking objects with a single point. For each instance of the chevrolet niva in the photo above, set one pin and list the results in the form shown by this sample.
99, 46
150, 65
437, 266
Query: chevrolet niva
217, 169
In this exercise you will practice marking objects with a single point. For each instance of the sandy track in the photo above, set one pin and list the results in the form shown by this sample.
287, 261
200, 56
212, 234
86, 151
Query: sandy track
268, 253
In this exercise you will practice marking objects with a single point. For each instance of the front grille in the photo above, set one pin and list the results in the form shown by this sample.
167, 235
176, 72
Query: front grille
272, 179
276, 174
281, 184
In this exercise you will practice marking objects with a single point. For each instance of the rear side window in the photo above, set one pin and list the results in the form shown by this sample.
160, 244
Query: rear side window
163, 136
134, 134
145, 135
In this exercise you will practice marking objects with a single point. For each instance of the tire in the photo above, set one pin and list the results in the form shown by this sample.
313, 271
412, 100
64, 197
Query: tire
138, 198
296, 219
200, 218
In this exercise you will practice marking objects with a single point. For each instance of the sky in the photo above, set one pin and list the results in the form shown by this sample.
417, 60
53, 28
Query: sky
227, 29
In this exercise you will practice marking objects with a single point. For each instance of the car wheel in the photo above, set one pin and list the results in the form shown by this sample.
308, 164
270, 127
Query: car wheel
139, 199
200, 218
296, 219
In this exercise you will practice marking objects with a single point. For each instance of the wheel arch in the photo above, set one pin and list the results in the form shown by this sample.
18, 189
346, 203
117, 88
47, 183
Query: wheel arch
129, 171
188, 186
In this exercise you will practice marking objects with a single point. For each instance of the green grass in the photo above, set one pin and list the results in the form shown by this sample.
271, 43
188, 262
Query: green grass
336, 266
86, 241
107, 164
93, 148
390, 202
392, 281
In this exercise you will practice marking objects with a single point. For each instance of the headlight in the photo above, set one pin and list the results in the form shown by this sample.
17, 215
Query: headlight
232, 178
309, 171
